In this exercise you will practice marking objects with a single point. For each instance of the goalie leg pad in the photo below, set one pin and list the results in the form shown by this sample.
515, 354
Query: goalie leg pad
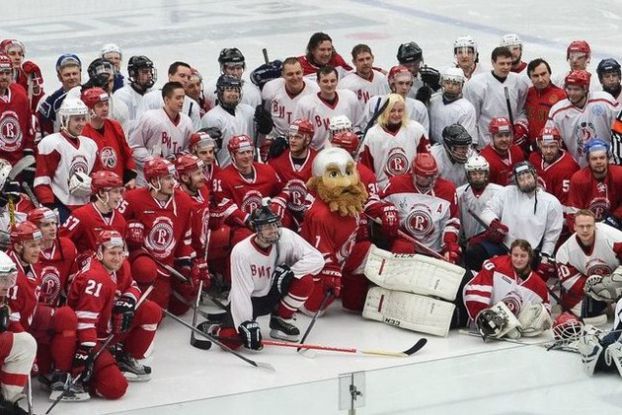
604, 288
591, 350
534, 319
417, 274
409, 311
614, 353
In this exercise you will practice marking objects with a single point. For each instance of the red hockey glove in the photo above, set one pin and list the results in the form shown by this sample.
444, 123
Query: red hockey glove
32, 69
497, 231
123, 314
331, 279
390, 220
521, 132
200, 272
451, 252
134, 234
617, 249
547, 268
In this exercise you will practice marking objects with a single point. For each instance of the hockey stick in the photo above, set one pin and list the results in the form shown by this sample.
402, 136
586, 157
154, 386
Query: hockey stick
377, 111
172, 271
194, 342
29, 395
31, 195
507, 103
408, 352
209, 316
216, 340
264, 51
314, 319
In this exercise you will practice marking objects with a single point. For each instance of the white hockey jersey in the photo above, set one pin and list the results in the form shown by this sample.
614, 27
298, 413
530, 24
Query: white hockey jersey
415, 110
447, 169
468, 200
252, 269
442, 114
365, 89
281, 104
487, 95
153, 101
319, 113
560, 77
241, 123
132, 101
536, 217
577, 126
250, 93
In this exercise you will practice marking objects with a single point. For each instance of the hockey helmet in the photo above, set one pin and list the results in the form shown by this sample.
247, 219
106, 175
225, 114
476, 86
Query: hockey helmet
188, 163
521, 168
347, 140
41, 215
263, 216
158, 167
141, 62
606, 66
8, 271
499, 125
549, 135
338, 124
93, 96
239, 143
453, 75
596, 144
105, 180
5, 64
231, 56
109, 238
110, 48
511, 40
25, 231
8, 45
425, 165
302, 127
567, 326
456, 135
71, 107
578, 78
465, 42
409, 52
398, 70
68, 59
200, 140
578, 46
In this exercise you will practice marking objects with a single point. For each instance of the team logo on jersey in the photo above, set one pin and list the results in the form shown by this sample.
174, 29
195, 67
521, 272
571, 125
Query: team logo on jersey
419, 222
397, 162
252, 200
346, 249
10, 132
599, 205
108, 157
50, 285
298, 193
596, 266
584, 132
78, 164
160, 240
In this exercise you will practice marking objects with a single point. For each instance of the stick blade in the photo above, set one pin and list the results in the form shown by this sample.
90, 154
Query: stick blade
266, 366
200, 344
416, 347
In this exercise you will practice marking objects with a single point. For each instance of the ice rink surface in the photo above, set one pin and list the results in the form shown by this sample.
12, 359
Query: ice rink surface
458, 374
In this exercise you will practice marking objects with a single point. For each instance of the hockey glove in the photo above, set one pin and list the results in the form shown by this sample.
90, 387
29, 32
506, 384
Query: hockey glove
282, 278
547, 268
521, 131
331, 280
497, 231
617, 249
431, 77
263, 118
612, 221
32, 71
277, 147
134, 234
390, 220
451, 252
200, 272
424, 94
80, 184
82, 362
250, 333
5, 312
123, 314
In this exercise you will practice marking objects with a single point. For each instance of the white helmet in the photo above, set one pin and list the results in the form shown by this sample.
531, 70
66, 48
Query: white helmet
339, 124
70, 107
8, 271
511, 39
465, 42
453, 74
109, 48
476, 163
5, 169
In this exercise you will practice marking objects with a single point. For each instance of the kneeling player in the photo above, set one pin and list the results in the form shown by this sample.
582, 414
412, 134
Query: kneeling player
603, 352
271, 272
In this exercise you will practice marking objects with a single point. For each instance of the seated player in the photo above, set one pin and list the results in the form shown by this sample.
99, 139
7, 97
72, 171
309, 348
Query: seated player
501, 153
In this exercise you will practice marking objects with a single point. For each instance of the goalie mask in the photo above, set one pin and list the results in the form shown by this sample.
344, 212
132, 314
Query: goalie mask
567, 326
266, 224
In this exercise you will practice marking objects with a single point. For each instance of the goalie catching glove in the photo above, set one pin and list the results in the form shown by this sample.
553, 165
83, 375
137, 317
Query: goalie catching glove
80, 184
604, 288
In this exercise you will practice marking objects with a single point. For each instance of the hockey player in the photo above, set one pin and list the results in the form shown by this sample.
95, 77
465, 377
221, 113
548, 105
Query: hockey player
142, 76
467, 56
329, 102
410, 56
553, 164
272, 273
281, 95
112, 53
230, 116
179, 72
163, 132
603, 352
86, 222
25, 73
16, 137
473, 196
232, 63
501, 153
507, 298
578, 56
400, 81
427, 209
596, 187
159, 236
365, 81
113, 152
321, 53
194, 90
593, 252
203, 144
540, 98
583, 116
65, 160
608, 71
101, 75
452, 153
487, 92
69, 72
515, 44
450, 107
104, 296
391, 144
19, 349
520, 211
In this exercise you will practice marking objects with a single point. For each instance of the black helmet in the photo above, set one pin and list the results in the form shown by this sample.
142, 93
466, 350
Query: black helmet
140, 62
409, 52
231, 56
263, 216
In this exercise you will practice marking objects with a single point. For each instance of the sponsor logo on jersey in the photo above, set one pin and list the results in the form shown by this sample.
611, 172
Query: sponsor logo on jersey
251, 201
419, 222
160, 240
50, 285
108, 157
397, 162
10, 132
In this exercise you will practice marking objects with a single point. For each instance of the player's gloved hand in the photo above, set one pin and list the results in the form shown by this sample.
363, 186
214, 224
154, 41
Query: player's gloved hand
617, 249
521, 132
331, 279
612, 221
31, 69
451, 252
134, 234
264, 147
263, 118
513, 301
250, 333
497, 231
82, 360
547, 268
424, 94
277, 147
123, 314
5, 312
390, 220
282, 278
200, 272
431, 77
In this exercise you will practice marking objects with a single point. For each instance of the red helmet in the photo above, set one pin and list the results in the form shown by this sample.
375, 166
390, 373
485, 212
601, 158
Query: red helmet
239, 143
7, 44
396, 71
5, 63
105, 179
110, 238
200, 140
346, 140
301, 126
580, 78
40, 215
158, 167
425, 165
187, 163
580, 46
93, 96
567, 326
499, 125
548, 135
25, 231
